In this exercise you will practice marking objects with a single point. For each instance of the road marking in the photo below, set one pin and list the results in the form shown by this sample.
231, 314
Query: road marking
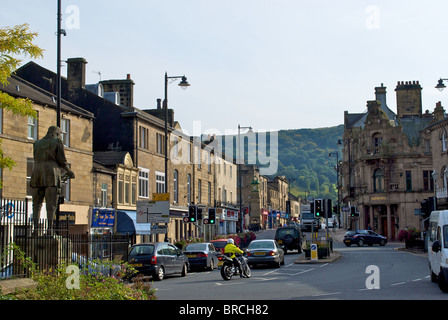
398, 283
304, 271
326, 294
269, 272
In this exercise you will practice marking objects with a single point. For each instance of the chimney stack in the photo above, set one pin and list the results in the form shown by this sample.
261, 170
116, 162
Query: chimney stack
409, 99
76, 76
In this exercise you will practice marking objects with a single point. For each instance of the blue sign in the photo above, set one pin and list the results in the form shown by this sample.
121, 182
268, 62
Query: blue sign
103, 218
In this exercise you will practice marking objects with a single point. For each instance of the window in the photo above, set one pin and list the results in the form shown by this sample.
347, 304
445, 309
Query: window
103, 195
176, 186
209, 193
408, 181
428, 181
444, 144
143, 137
189, 188
160, 182
32, 128
199, 190
143, 183
65, 132
127, 189
65, 187
378, 180
160, 143
29, 171
120, 188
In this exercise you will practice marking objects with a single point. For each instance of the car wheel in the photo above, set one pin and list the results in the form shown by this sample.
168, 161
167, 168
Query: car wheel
360, 242
212, 265
382, 242
184, 270
348, 244
443, 285
160, 274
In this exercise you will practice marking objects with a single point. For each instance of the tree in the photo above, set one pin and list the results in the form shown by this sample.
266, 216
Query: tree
14, 42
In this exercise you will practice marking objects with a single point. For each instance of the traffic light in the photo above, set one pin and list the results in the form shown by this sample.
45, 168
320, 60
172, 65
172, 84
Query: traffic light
318, 208
192, 213
211, 215
328, 210
353, 212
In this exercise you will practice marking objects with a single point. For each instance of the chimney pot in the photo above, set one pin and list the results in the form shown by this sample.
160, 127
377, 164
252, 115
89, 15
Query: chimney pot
128, 76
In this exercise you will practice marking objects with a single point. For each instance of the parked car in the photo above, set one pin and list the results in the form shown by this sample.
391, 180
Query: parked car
219, 244
265, 252
361, 237
158, 259
289, 238
201, 255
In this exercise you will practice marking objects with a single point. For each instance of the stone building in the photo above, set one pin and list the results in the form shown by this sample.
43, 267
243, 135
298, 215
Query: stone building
19, 134
387, 162
438, 129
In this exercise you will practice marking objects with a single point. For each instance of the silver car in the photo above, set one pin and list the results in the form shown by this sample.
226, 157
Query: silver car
265, 252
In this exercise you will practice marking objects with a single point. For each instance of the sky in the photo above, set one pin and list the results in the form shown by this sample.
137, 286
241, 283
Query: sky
268, 64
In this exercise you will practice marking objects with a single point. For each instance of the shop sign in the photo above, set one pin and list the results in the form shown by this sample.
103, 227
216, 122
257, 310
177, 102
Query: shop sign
103, 218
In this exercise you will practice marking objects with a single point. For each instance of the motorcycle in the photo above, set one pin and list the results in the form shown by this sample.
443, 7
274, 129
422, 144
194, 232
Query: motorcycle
228, 270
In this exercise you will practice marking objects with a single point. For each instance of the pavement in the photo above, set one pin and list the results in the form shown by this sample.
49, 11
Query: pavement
338, 236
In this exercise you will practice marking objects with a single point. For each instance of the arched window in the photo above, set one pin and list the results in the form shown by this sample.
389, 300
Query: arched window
378, 181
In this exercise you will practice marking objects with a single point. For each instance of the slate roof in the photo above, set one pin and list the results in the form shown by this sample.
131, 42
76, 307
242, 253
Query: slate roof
20, 88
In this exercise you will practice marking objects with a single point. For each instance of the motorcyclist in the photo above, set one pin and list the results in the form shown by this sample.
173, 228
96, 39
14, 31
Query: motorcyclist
230, 249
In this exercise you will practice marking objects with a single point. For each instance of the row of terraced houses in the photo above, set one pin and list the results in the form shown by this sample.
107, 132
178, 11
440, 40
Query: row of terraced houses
117, 152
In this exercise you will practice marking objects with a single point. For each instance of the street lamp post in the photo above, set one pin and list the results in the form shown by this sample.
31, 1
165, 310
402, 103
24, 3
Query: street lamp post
184, 85
337, 182
240, 176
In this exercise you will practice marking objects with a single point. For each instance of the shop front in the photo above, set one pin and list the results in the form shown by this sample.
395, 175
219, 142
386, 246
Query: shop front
228, 221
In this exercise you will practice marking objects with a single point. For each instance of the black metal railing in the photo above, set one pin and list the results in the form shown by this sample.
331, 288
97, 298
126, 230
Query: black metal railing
50, 246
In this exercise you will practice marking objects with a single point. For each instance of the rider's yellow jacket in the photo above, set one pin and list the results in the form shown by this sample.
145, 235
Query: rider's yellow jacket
231, 249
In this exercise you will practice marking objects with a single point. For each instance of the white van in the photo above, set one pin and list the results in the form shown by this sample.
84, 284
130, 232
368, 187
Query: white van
438, 248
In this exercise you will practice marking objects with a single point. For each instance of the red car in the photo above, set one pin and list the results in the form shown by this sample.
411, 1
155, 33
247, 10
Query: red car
219, 244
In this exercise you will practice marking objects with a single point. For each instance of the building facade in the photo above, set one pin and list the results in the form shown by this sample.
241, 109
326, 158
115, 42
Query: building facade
387, 162
19, 134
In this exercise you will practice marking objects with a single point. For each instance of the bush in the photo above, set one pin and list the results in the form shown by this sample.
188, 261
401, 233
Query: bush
89, 284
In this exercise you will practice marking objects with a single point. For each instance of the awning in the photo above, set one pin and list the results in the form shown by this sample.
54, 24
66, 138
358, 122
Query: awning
127, 223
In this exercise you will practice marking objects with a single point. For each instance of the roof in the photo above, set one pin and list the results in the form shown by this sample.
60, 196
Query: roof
20, 88
109, 158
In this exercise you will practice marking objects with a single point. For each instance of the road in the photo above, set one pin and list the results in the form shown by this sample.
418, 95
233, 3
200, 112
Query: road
362, 273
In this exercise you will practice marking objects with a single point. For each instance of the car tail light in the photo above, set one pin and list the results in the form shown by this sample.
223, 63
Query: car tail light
249, 254
271, 253
154, 260
202, 255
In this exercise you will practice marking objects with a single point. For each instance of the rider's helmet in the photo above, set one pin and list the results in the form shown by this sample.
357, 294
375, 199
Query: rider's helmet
230, 240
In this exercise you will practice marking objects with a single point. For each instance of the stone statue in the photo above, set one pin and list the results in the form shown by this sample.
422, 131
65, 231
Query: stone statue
49, 159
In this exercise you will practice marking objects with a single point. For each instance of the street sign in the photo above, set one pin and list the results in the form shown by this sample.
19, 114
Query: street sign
153, 211
314, 256
159, 229
160, 197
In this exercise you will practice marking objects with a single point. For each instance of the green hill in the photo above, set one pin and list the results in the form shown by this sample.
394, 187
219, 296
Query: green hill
303, 157
304, 160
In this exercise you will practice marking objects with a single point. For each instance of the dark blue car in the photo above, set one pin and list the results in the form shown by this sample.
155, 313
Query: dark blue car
361, 237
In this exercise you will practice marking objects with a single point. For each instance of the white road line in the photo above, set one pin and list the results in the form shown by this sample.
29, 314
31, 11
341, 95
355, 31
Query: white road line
304, 271
398, 283
326, 294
